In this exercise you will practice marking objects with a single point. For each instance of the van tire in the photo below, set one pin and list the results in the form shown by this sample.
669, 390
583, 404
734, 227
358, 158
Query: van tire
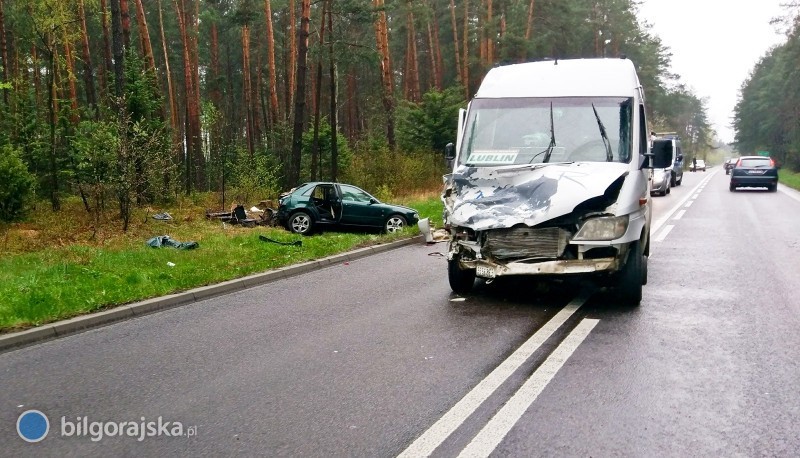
632, 276
461, 280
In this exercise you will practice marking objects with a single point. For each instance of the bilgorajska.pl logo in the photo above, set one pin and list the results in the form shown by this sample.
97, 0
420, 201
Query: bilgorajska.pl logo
97, 430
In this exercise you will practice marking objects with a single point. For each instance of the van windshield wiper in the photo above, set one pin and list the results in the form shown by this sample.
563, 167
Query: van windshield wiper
606, 142
552, 144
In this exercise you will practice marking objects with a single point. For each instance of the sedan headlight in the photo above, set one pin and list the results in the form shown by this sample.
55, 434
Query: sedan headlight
603, 228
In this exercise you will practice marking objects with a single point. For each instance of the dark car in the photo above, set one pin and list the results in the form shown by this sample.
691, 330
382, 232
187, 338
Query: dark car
754, 171
315, 205
729, 164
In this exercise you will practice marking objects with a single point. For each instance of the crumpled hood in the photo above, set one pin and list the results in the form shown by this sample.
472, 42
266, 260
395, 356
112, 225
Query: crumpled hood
492, 198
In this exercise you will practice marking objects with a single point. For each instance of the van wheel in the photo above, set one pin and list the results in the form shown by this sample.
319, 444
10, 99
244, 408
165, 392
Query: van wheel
461, 280
629, 286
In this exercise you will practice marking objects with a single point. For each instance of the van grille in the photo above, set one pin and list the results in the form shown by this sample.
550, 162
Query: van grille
525, 242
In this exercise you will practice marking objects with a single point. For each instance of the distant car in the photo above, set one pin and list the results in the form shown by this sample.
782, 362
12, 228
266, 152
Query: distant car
754, 171
699, 165
660, 182
314, 205
729, 164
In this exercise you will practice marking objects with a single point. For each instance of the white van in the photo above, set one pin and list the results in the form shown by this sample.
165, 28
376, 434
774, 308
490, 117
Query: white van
550, 176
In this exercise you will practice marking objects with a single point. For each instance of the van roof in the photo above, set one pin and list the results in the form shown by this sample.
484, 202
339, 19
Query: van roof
561, 78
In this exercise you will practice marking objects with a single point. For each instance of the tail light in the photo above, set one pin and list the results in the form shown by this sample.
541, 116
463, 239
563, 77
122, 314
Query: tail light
771, 162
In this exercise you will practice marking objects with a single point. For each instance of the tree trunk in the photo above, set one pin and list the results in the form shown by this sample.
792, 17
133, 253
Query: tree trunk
73, 88
413, 64
173, 109
3, 52
334, 104
315, 154
91, 94
291, 67
105, 74
188, 81
52, 105
273, 77
300, 95
119, 54
144, 34
126, 23
465, 51
490, 35
382, 38
436, 49
37, 78
246, 89
456, 53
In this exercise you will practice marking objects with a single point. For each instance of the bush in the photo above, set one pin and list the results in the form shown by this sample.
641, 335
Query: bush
16, 185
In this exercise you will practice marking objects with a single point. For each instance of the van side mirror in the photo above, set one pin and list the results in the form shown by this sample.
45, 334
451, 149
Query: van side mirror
450, 151
680, 157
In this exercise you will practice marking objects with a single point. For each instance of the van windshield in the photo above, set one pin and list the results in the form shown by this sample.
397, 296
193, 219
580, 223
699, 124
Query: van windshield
535, 130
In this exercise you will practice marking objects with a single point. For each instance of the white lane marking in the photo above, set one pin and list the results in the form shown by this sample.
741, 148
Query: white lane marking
663, 234
789, 192
688, 204
661, 221
679, 215
441, 430
493, 433
696, 195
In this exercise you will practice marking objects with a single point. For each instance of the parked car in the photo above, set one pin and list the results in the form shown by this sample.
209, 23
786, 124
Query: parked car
729, 164
672, 143
660, 182
314, 205
754, 171
698, 165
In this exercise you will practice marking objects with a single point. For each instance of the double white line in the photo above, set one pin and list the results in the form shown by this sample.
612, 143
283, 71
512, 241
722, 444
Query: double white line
497, 428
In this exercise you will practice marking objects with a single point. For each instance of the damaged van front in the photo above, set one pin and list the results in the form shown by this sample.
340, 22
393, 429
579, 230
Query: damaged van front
550, 176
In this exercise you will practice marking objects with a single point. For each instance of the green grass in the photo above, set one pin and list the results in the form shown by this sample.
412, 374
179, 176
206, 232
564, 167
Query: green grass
789, 178
58, 282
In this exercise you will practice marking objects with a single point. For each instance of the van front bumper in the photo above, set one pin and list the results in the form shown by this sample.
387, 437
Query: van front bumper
488, 269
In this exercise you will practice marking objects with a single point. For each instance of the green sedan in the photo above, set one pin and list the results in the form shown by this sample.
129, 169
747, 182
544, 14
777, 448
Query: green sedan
315, 205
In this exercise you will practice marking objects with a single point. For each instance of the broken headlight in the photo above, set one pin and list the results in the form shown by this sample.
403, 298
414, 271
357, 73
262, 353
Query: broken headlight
603, 228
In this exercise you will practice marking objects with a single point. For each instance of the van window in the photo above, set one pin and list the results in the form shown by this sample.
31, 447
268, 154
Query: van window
528, 130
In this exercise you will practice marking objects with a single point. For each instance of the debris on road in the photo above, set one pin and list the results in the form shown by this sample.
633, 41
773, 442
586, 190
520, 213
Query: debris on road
264, 238
165, 240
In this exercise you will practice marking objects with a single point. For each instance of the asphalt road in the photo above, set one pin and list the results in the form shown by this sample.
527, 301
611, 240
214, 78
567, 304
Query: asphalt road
377, 357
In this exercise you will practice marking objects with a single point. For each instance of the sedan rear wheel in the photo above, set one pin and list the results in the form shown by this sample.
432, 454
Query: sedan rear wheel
301, 223
732, 187
395, 223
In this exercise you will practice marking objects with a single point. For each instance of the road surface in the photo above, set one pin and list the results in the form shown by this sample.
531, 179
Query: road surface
377, 358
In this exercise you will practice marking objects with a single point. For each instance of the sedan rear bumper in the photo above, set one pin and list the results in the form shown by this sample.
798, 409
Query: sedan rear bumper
753, 181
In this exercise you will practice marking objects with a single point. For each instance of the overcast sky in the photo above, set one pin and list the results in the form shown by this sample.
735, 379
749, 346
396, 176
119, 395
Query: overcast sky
714, 45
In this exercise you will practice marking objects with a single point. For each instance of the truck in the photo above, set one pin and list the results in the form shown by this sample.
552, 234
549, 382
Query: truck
550, 177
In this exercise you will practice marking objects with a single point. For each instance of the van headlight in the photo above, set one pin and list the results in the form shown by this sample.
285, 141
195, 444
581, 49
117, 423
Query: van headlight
603, 228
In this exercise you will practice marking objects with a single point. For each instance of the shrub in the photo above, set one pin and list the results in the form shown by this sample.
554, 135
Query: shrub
16, 185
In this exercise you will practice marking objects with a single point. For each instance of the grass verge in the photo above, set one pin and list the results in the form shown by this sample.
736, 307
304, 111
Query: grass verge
60, 280
789, 178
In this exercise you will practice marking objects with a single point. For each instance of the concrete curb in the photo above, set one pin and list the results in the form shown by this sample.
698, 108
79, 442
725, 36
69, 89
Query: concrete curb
84, 322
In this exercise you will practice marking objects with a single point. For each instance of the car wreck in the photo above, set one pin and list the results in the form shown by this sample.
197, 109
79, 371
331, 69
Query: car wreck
550, 176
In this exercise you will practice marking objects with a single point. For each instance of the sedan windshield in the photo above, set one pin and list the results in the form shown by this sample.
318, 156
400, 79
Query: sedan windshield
537, 130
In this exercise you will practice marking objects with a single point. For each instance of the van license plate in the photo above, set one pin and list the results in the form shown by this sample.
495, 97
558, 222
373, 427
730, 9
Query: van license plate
485, 272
